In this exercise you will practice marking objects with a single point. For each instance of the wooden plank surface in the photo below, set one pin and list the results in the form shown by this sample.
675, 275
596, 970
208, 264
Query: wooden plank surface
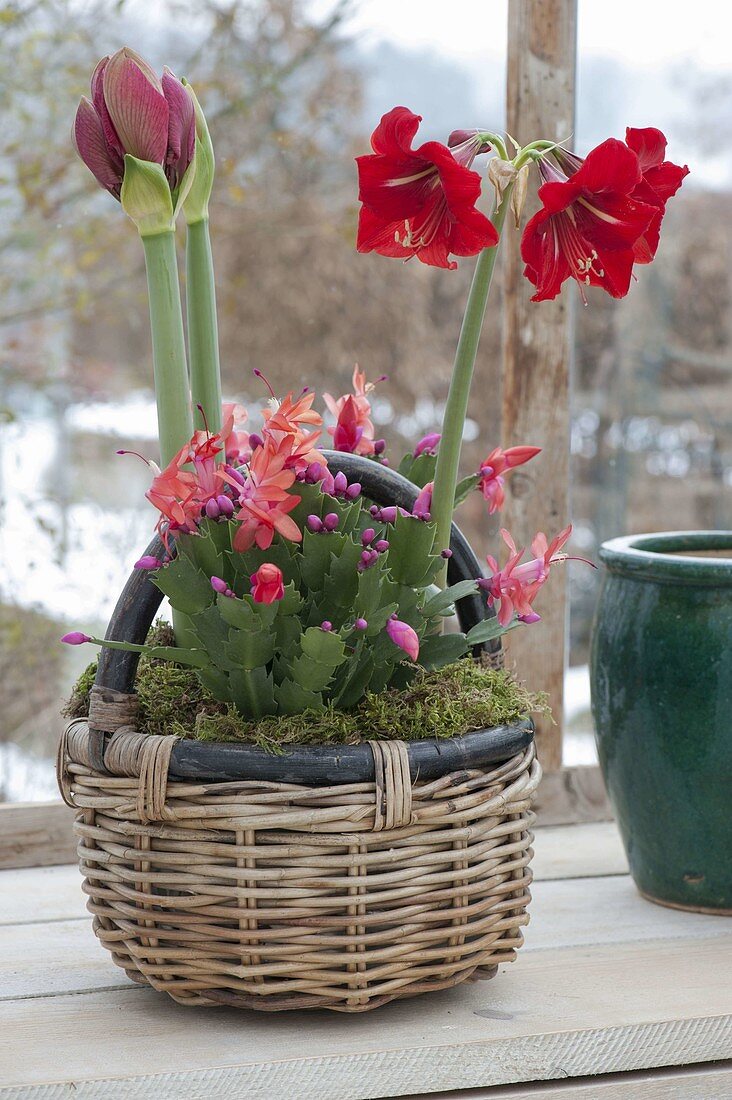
537, 350
710, 1082
62, 956
557, 1013
35, 834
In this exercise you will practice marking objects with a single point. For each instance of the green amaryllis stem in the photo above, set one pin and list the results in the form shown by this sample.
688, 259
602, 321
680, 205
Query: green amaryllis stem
448, 455
172, 391
203, 337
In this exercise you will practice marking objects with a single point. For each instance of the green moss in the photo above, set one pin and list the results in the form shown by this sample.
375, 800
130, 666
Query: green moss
456, 699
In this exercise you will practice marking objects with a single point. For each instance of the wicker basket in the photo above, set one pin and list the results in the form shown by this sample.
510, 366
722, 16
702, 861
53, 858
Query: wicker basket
276, 895
334, 877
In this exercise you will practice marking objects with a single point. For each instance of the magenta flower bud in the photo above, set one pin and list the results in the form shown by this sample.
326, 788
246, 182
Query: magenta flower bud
379, 446
147, 561
353, 491
326, 625
389, 514
314, 524
375, 511
532, 617
313, 473
220, 585
255, 440
446, 554
427, 444
226, 506
382, 545
237, 475
360, 624
403, 636
212, 509
75, 637
327, 483
340, 482
367, 536
331, 521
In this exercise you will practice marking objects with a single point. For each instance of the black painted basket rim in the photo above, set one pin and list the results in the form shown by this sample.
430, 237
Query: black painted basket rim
317, 764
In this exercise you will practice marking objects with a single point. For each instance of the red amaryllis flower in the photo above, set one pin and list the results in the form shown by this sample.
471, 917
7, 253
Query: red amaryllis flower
661, 180
267, 583
133, 111
589, 224
421, 202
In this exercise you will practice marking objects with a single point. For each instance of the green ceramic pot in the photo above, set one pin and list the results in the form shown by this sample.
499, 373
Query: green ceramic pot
662, 704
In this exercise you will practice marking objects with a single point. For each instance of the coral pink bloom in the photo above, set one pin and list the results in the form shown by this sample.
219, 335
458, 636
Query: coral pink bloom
421, 202
492, 468
173, 493
288, 420
267, 583
265, 500
661, 180
354, 429
236, 442
517, 584
589, 224
404, 636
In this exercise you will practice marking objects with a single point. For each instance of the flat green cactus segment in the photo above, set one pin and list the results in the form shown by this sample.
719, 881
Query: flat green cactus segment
448, 701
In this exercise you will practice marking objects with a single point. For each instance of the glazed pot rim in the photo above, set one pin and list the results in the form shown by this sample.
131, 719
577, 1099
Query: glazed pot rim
655, 556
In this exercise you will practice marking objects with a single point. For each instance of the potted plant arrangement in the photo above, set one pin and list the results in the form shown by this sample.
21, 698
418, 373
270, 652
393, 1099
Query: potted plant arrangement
308, 793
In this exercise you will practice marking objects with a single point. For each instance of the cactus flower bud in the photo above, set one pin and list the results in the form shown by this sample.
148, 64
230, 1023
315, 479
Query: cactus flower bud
326, 625
382, 545
447, 554
314, 524
340, 482
219, 585
331, 521
212, 509
427, 444
267, 583
226, 506
403, 636
367, 536
379, 446
75, 637
147, 561
353, 491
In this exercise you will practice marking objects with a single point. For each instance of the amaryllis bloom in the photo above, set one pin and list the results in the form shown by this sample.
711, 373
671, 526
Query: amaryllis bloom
354, 428
660, 181
421, 202
267, 583
403, 636
589, 224
516, 585
497, 463
133, 111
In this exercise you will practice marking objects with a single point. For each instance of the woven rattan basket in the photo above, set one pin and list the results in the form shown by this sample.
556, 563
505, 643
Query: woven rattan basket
329, 877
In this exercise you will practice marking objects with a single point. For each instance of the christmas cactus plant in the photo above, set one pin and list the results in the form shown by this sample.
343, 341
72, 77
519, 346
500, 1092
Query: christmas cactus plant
290, 591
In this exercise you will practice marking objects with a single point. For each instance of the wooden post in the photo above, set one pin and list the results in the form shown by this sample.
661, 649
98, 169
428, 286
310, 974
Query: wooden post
537, 351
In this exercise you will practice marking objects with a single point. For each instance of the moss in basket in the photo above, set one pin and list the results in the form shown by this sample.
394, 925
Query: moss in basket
451, 700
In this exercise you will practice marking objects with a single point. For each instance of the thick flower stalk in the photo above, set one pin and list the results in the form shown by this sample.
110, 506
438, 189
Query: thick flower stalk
203, 336
137, 136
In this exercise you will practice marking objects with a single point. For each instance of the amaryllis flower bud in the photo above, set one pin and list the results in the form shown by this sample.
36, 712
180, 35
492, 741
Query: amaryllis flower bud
403, 636
147, 561
314, 523
75, 637
427, 444
267, 583
151, 121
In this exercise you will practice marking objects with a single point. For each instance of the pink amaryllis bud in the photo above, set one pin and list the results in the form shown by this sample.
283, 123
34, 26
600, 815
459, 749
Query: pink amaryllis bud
267, 583
133, 111
403, 636
427, 444
75, 637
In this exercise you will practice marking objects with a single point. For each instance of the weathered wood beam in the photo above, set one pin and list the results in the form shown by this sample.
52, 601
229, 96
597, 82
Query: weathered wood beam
537, 351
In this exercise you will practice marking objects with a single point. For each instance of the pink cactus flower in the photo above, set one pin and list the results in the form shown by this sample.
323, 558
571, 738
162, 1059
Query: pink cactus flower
403, 636
516, 585
354, 427
133, 111
494, 466
265, 500
267, 583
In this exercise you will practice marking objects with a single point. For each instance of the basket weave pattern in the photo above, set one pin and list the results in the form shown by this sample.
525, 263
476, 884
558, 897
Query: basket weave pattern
277, 896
